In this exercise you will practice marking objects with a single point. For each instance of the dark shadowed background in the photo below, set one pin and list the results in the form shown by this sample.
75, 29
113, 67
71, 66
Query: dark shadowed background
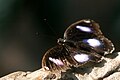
29, 28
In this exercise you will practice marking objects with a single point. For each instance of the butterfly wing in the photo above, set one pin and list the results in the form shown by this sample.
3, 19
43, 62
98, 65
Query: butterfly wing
55, 58
88, 32
59, 58
83, 42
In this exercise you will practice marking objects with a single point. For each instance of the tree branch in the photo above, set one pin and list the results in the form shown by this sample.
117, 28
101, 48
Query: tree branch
108, 69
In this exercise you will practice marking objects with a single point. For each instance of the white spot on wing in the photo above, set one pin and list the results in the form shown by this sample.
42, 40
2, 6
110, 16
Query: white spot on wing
81, 57
87, 21
56, 61
84, 28
93, 42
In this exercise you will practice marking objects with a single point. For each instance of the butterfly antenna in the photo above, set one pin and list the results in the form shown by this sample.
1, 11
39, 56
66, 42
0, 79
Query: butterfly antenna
46, 21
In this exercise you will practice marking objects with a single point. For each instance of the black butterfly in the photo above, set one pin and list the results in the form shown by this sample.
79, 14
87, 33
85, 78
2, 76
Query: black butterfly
83, 42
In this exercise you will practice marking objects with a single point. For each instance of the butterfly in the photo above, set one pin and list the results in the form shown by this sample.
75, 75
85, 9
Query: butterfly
82, 42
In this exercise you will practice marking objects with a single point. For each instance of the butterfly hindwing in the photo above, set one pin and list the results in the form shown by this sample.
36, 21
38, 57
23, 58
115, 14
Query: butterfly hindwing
62, 58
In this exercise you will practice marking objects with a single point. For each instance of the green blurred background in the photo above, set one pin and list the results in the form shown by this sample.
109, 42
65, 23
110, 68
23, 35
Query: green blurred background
28, 28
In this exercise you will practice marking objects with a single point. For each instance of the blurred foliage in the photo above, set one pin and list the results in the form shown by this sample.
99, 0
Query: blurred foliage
28, 28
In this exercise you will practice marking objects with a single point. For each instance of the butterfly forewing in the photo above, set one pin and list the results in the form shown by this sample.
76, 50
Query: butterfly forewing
88, 32
82, 29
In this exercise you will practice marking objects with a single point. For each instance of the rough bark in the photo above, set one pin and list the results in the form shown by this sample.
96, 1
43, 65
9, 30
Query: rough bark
108, 69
